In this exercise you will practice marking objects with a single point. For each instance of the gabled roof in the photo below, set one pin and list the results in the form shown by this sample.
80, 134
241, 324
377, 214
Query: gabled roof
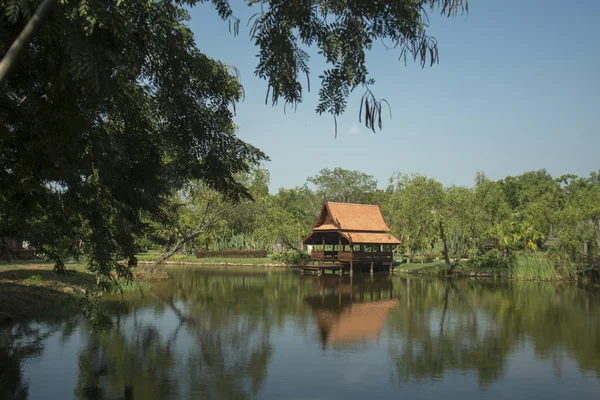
350, 217
370, 238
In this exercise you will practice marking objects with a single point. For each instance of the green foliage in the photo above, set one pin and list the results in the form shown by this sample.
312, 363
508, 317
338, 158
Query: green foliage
488, 262
34, 279
531, 265
231, 254
153, 257
343, 32
492, 253
344, 186
291, 258
95, 313
112, 111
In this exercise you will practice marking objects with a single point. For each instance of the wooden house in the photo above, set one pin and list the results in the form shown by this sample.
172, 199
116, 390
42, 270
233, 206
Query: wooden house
350, 237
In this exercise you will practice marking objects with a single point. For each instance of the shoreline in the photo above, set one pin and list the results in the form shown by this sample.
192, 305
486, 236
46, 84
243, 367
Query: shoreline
34, 291
216, 263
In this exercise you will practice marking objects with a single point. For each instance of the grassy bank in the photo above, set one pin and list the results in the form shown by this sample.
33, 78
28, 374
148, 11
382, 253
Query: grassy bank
179, 259
418, 268
525, 266
32, 289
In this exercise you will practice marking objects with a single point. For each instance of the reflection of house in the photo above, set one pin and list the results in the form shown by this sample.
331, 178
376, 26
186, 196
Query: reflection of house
346, 236
349, 311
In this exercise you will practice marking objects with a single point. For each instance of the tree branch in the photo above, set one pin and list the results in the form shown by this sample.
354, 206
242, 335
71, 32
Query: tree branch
19, 46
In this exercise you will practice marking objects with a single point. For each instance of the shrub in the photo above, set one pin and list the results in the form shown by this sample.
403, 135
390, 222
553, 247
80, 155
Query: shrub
563, 265
492, 253
486, 262
154, 256
429, 257
291, 257
34, 279
231, 253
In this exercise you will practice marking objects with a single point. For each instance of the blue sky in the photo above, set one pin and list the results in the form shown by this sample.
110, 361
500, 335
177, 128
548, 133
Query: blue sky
517, 89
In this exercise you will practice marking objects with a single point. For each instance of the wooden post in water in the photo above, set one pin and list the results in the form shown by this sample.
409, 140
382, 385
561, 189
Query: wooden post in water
371, 267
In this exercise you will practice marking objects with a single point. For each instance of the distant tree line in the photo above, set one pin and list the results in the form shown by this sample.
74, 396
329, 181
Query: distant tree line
532, 211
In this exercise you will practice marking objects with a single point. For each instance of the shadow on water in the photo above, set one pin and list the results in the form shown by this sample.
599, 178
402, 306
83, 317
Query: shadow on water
218, 334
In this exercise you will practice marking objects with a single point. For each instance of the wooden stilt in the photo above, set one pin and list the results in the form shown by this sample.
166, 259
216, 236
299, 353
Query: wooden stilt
371, 267
351, 268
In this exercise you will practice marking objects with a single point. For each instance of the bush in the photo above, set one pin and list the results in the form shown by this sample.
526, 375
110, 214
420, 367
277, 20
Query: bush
154, 256
35, 279
429, 257
291, 257
492, 253
231, 254
486, 262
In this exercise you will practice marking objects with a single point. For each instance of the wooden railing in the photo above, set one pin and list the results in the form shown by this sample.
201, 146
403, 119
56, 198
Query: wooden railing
364, 256
347, 256
319, 255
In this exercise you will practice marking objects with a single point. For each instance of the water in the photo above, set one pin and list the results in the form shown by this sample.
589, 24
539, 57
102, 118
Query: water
245, 334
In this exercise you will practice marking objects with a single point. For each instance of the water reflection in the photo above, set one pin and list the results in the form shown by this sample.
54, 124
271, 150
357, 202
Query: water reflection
474, 326
246, 335
347, 310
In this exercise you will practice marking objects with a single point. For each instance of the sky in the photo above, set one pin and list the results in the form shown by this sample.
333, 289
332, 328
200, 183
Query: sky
517, 89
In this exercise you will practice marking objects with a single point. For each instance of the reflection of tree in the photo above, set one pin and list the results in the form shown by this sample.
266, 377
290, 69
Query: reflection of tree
17, 343
126, 363
470, 326
217, 345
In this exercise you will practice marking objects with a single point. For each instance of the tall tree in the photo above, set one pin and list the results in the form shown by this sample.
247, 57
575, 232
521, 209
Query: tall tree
113, 107
344, 185
411, 209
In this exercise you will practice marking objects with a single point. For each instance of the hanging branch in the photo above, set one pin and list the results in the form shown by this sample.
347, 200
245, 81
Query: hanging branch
19, 46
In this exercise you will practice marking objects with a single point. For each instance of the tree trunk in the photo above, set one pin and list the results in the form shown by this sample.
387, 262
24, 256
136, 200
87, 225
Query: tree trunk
449, 266
19, 46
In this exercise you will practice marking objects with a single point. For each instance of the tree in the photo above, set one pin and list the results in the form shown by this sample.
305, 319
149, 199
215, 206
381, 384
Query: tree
115, 110
411, 207
113, 107
491, 208
344, 185
456, 221
288, 216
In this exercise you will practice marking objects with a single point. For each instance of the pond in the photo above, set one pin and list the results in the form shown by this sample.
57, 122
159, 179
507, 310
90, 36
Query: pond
248, 334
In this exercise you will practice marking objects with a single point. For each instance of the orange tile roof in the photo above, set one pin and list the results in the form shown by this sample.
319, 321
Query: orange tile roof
353, 217
370, 238
326, 227
359, 223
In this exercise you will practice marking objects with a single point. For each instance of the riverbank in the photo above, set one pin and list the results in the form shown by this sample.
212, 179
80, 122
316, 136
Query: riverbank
438, 268
32, 290
218, 261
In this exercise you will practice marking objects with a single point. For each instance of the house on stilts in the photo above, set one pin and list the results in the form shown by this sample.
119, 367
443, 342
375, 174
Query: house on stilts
350, 237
